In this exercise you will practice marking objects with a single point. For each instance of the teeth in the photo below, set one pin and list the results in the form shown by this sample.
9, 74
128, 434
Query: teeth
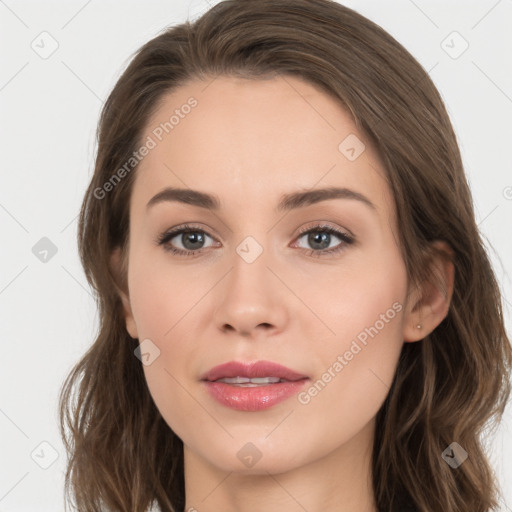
246, 382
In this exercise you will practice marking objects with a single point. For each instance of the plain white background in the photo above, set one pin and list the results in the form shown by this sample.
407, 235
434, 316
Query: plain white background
49, 111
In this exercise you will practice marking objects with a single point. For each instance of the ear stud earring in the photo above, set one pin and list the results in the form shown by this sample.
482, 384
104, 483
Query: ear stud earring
418, 326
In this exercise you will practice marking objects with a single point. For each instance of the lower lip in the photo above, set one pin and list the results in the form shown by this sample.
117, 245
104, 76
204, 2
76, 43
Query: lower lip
253, 398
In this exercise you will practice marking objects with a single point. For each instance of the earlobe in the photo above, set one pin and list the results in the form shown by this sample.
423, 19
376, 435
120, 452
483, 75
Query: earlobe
431, 302
119, 270
131, 327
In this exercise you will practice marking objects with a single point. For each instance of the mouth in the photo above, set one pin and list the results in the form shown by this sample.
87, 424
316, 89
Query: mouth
252, 386
246, 382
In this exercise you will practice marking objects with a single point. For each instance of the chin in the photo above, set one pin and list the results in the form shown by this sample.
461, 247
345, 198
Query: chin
258, 454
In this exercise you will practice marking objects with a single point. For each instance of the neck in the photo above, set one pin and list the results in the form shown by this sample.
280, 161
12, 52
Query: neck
340, 481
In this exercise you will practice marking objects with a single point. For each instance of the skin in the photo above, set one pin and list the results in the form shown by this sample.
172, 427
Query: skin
249, 142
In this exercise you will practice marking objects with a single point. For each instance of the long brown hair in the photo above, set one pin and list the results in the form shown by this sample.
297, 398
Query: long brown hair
448, 387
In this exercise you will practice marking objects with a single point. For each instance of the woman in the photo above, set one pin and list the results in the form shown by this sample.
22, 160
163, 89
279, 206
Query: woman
239, 365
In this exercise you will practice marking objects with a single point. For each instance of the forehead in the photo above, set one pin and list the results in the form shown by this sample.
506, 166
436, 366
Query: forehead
250, 141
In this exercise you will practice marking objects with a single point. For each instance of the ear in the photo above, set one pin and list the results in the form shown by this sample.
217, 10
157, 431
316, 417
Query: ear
120, 269
428, 304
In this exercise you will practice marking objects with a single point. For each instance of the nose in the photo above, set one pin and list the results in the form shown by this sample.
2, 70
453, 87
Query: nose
252, 300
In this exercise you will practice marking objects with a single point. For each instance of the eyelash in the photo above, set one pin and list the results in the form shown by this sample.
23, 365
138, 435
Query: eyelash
165, 237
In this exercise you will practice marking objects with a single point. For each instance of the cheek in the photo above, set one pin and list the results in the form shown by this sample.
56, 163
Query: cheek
162, 305
161, 294
357, 363
369, 322
165, 304
352, 296
360, 305
355, 369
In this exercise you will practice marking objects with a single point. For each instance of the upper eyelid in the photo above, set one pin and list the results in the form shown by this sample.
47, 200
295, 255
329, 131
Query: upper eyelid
318, 226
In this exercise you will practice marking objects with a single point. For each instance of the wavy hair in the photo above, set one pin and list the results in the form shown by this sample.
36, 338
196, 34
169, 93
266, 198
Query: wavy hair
450, 386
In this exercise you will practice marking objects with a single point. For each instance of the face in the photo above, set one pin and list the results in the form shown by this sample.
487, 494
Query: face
314, 283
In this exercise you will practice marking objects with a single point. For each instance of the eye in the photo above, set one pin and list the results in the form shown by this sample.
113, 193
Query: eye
320, 237
190, 237
192, 240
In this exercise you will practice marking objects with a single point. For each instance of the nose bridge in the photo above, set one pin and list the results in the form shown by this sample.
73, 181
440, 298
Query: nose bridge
250, 273
250, 295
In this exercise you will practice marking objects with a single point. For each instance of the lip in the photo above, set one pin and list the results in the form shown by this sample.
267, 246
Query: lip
251, 370
252, 398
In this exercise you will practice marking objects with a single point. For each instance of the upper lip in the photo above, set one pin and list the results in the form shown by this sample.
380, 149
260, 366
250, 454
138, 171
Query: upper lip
251, 370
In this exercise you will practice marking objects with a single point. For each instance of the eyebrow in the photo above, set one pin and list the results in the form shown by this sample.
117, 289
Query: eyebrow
287, 202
